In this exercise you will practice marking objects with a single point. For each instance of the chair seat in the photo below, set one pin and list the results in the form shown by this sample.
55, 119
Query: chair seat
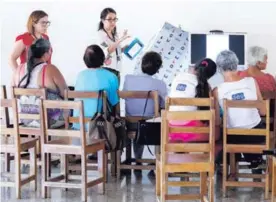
26, 143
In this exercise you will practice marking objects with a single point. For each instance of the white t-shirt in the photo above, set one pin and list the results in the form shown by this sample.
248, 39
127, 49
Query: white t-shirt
113, 60
184, 86
244, 89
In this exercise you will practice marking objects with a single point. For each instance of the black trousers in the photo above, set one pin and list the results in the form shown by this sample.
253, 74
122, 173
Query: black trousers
248, 139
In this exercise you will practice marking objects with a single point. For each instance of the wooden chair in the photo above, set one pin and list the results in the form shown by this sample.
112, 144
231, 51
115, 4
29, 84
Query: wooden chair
187, 157
229, 181
29, 131
61, 147
71, 95
127, 163
5, 121
198, 102
16, 146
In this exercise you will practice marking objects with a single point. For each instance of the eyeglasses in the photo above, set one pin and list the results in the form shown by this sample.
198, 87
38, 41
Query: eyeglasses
112, 20
45, 23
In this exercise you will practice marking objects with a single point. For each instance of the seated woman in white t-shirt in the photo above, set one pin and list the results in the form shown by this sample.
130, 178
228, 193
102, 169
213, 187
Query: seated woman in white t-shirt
238, 88
192, 84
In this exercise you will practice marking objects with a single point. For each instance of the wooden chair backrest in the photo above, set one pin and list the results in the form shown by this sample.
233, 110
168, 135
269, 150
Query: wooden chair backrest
69, 94
269, 95
7, 129
202, 115
37, 92
4, 111
243, 131
141, 95
64, 105
199, 102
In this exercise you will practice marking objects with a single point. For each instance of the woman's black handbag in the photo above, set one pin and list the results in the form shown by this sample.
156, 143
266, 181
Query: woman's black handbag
148, 133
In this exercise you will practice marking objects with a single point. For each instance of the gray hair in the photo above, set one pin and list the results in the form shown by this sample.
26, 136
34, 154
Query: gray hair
256, 54
227, 61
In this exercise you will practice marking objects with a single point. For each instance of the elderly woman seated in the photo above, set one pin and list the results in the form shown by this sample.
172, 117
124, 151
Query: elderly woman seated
237, 88
257, 61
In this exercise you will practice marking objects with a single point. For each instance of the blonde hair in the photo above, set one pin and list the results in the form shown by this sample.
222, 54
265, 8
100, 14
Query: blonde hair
34, 18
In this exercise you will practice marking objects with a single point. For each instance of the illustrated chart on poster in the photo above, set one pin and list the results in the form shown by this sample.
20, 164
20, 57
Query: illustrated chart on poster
172, 44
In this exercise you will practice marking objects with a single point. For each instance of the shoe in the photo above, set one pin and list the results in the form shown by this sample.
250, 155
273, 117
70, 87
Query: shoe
257, 168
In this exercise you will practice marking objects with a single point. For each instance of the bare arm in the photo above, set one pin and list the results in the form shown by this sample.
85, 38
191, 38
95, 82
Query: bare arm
112, 47
16, 52
261, 109
58, 79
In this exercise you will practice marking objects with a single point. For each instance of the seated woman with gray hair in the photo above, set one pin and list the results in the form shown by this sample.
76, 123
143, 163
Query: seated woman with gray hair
237, 88
257, 61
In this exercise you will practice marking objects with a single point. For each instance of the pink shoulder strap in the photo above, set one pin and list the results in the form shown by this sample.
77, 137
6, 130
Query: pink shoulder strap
43, 75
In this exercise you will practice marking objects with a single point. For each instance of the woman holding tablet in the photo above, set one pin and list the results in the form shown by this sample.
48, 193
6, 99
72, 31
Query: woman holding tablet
109, 40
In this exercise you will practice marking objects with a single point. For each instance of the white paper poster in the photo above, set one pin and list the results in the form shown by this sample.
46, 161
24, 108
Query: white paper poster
172, 44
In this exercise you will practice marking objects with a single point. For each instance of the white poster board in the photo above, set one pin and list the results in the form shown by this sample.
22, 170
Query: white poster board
172, 43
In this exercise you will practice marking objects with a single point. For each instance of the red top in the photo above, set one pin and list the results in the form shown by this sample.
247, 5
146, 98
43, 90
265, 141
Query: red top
266, 82
28, 40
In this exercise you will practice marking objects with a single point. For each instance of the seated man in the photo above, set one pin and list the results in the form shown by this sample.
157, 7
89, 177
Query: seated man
151, 63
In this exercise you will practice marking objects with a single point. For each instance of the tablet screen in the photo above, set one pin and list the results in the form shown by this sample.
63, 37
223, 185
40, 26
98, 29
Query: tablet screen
134, 49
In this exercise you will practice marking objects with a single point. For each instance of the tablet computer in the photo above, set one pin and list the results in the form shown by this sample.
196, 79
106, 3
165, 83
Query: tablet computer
133, 49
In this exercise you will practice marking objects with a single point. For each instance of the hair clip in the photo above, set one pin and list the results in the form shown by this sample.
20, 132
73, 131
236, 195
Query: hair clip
205, 63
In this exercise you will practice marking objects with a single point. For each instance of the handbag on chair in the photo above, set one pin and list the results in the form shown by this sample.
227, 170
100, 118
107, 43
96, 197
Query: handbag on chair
148, 133
102, 128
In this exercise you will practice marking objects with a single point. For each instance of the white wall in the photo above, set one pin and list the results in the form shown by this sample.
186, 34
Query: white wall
74, 26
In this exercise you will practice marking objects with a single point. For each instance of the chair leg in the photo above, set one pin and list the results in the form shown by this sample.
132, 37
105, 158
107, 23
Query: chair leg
33, 165
7, 162
224, 174
233, 166
44, 174
157, 184
113, 163
17, 162
267, 179
101, 169
118, 164
164, 185
49, 168
64, 167
211, 186
83, 177
203, 185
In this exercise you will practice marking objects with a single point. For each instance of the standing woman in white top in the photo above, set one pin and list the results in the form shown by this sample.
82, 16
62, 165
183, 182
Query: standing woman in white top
109, 40
237, 88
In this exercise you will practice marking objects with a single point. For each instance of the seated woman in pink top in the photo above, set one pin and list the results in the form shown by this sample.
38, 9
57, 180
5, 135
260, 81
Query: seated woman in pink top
257, 61
192, 84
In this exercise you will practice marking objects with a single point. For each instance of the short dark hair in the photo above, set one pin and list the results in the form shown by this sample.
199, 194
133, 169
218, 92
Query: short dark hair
94, 56
151, 63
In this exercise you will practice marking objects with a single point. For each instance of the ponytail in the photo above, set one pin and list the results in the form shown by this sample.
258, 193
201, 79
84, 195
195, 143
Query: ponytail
101, 26
202, 89
205, 69
30, 67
